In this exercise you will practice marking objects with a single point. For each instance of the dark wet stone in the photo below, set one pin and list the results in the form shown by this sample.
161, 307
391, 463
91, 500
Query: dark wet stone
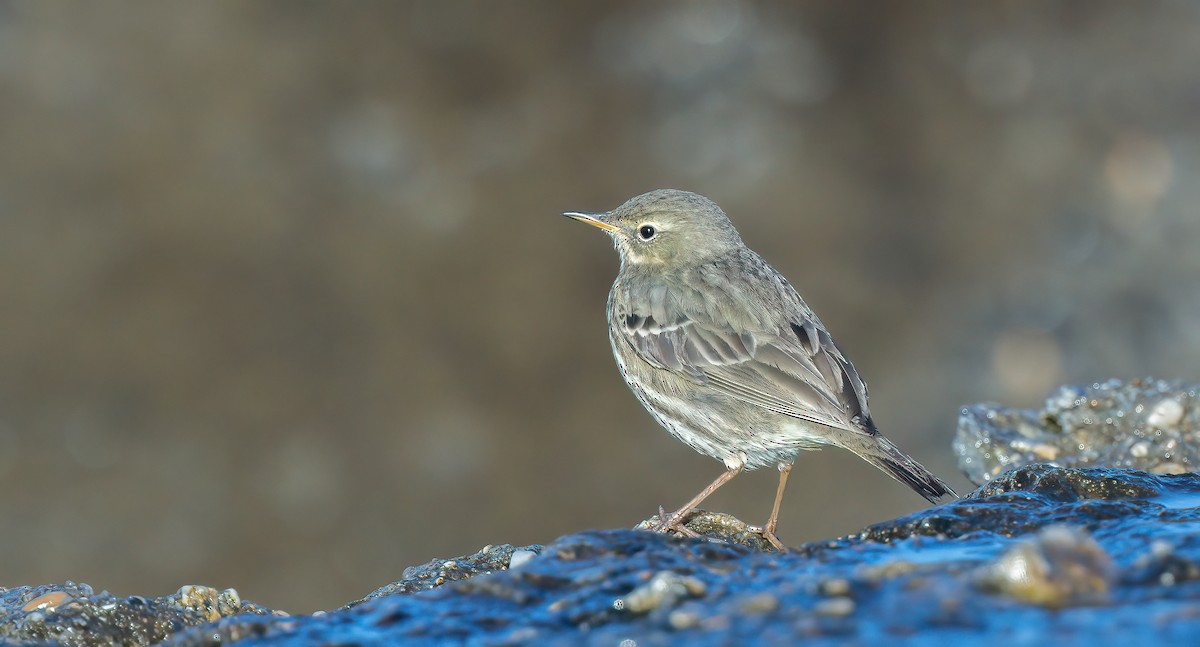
1145, 424
1113, 558
1059, 484
1077, 555
716, 526
74, 614
1058, 567
1162, 565
1029, 498
439, 571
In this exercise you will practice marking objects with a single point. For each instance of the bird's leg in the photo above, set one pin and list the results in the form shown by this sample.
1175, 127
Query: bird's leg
733, 465
769, 529
671, 522
662, 515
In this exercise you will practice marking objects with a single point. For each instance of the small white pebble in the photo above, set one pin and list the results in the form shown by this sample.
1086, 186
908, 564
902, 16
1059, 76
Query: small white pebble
680, 620
836, 587
835, 607
519, 557
666, 588
1045, 451
1161, 548
232, 596
1167, 413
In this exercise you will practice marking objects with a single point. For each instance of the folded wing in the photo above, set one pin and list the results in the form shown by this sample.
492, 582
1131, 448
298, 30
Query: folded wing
795, 371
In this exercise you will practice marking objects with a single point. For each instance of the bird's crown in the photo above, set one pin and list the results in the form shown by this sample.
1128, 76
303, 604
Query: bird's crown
666, 226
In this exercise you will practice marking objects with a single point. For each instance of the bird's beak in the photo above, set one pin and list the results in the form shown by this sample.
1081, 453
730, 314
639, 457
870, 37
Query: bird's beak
592, 219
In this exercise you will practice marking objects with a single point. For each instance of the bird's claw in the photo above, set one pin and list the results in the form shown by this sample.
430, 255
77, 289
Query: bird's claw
667, 523
770, 536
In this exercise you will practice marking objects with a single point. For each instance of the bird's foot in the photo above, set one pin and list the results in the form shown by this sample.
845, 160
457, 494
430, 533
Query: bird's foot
774, 541
667, 523
769, 535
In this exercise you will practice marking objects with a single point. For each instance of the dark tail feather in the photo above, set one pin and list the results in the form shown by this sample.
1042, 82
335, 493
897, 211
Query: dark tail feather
883, 454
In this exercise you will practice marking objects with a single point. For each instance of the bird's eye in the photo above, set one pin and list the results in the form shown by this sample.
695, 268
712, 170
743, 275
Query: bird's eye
646, 232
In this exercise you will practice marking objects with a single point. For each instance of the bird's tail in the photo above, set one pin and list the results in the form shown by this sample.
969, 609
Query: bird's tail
881, 453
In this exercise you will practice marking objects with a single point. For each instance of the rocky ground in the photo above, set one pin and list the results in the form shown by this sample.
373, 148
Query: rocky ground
1038, 553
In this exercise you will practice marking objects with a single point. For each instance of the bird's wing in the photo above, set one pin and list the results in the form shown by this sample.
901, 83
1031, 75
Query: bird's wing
797, 371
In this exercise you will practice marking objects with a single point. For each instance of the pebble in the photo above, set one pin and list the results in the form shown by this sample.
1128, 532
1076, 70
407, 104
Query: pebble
1046, 451
520, 557
759, 604
1167, 413
835, 587
680, 619
664, 589
48, 602
838, 607
1060, 566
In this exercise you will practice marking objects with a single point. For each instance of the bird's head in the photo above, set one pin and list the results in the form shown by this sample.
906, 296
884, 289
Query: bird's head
666, 227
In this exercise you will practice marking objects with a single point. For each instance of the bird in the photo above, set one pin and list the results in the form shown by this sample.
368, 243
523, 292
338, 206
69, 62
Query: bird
721, 351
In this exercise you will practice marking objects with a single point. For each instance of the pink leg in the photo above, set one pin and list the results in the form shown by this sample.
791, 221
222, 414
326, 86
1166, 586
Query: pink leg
769, 529
733, 468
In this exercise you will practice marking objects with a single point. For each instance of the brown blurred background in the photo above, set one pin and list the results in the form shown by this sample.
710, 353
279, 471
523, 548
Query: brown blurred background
286, 304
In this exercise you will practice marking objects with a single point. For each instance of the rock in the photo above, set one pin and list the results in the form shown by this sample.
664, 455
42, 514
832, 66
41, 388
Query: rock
440, 571
1144, 424
835, 607
949, 574
1081, 555
1060, 566
1161, 565
717, 526
666, 588
520, 557
73, 614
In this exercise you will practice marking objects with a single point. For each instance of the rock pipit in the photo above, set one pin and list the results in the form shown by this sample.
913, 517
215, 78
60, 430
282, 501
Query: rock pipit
724, 353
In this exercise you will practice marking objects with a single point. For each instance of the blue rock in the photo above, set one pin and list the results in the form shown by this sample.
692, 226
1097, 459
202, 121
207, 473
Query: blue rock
1091, 556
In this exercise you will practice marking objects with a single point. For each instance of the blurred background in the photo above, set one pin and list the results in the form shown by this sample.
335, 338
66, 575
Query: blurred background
286, 304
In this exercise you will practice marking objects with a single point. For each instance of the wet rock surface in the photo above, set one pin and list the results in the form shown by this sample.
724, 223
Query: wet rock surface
1059, 566
437, 572
702, 523
1144, 424
1040, 553
75, 614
